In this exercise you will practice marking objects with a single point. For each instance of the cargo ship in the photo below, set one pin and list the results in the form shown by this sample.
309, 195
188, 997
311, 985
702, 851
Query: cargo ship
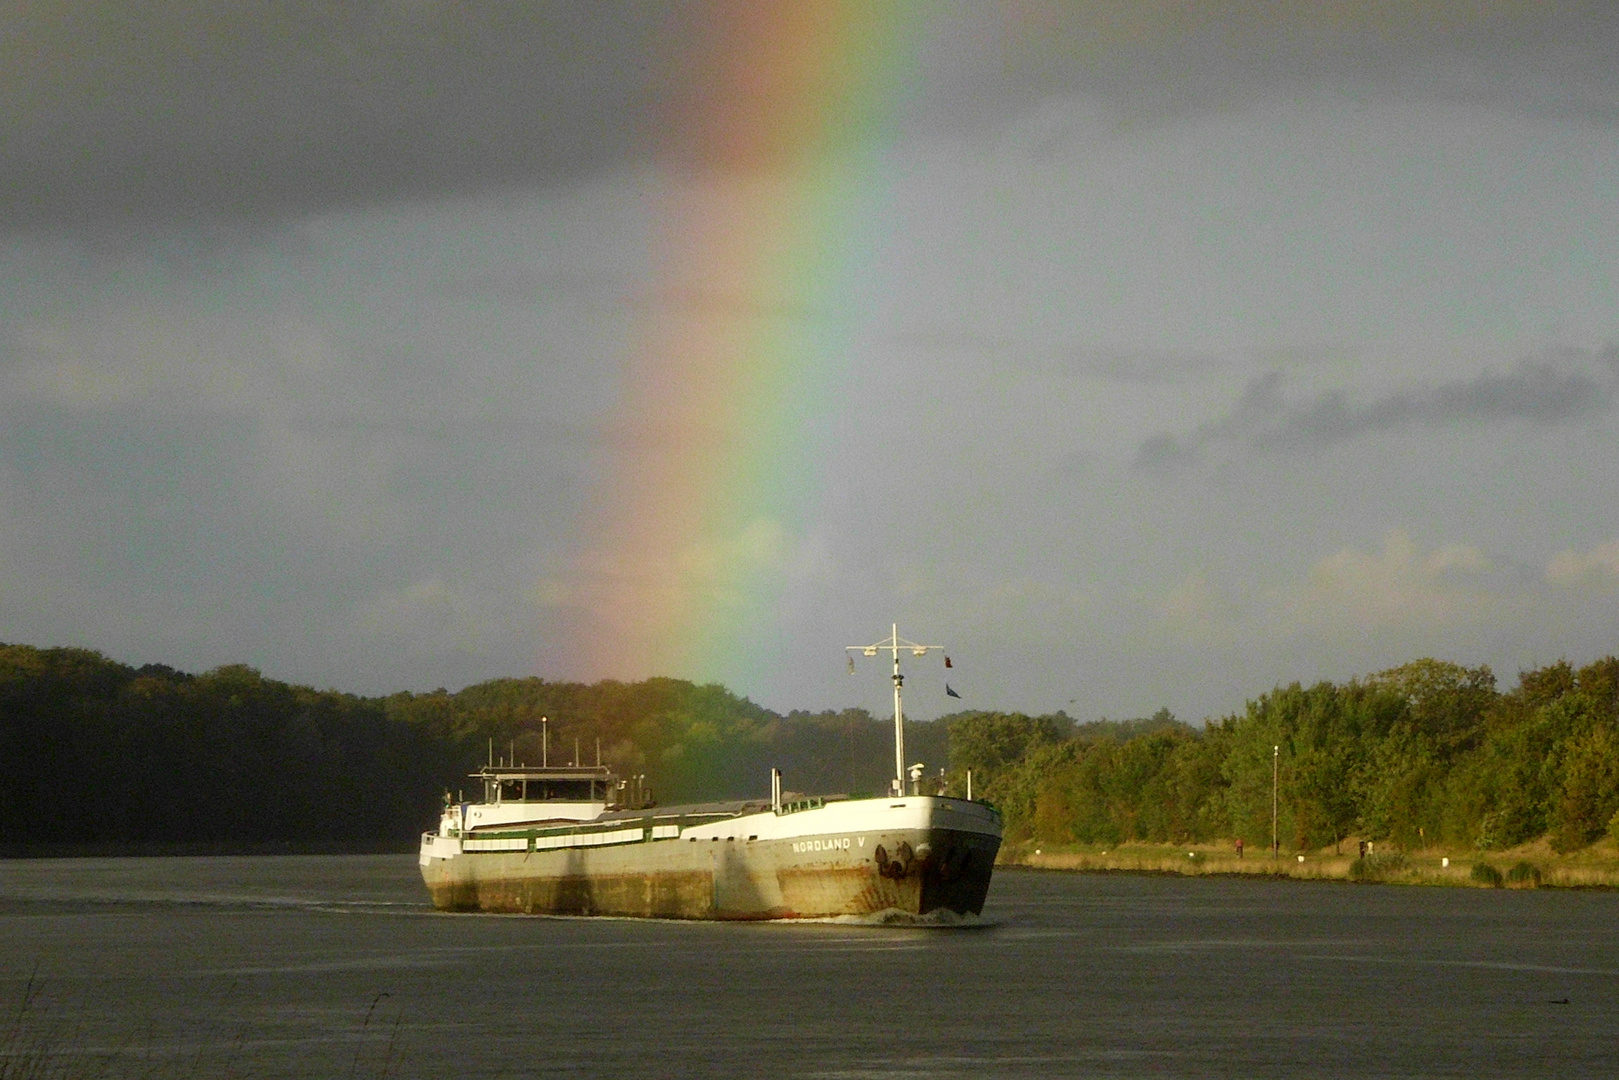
580, 840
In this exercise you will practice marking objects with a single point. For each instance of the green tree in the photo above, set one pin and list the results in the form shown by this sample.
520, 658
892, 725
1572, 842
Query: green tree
989, 742
1589, 796
1447, 702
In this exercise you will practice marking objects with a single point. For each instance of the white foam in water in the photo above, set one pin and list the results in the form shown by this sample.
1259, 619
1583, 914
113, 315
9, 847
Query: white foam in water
937, 919
940, 919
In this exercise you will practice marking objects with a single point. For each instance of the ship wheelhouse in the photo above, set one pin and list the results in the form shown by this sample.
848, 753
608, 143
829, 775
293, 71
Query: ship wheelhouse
515, 796
522, 784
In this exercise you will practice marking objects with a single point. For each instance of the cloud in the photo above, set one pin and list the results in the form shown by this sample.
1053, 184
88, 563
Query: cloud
1597, 568
120, 112
1359, 609
119, 115
158, 355
1396, 586
1399, 587
1158, 58
1543, 390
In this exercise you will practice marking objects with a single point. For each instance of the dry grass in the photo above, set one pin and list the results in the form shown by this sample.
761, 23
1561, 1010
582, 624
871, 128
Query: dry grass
1594, 867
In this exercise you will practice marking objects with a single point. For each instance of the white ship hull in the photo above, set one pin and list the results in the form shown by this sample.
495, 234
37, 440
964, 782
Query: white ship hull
913, 854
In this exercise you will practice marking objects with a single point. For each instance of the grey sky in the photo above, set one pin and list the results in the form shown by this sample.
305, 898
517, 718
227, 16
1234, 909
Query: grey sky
1219, 349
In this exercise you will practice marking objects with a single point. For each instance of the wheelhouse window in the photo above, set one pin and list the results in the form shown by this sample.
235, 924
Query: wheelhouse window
534, 790
563, 790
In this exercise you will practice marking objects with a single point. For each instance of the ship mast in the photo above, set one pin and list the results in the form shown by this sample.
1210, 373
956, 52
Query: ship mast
894, 644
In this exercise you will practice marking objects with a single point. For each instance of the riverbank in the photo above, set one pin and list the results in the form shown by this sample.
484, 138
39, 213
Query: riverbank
169, 849
1533, 865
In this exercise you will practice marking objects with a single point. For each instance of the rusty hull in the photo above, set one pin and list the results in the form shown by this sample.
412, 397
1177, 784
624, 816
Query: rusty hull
769, 879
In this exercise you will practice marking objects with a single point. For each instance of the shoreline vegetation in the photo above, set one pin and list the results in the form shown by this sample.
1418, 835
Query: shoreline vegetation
1528, 866
1426, 759
1424, 762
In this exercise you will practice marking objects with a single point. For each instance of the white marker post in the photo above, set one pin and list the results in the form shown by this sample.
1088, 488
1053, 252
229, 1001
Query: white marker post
1275, 765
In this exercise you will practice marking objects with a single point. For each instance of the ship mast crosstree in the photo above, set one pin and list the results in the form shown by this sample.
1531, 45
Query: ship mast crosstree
895, 645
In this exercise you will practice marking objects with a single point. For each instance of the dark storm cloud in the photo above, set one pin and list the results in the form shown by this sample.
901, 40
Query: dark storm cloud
117, 112
1543, 390
1169, 59
132, 111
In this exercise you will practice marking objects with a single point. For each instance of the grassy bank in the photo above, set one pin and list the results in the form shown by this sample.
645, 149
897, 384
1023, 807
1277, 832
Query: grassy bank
1527, 866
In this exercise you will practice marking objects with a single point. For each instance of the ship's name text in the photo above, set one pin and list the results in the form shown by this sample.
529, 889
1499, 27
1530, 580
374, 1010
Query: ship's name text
836, 843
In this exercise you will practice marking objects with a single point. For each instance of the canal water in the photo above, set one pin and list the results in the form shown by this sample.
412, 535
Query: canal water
334, 966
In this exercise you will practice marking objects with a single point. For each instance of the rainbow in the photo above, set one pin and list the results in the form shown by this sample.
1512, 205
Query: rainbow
722, 421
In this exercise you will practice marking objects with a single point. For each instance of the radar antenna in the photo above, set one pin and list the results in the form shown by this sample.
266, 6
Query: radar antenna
894, 644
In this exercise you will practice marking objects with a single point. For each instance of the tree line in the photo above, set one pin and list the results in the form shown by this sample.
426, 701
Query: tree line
94, 752
1429, 753
101, 755
692, 742
98, 754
